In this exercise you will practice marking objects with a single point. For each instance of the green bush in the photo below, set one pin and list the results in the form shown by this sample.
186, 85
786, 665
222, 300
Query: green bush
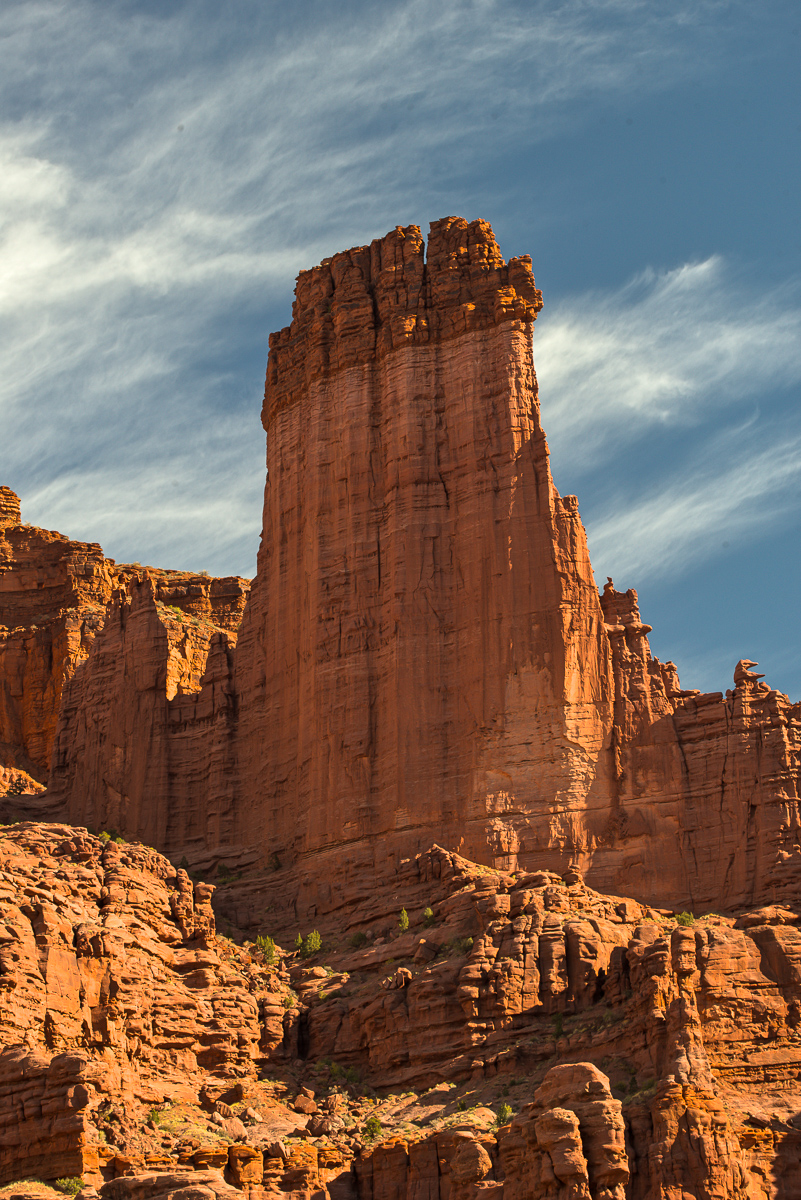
372, 1129
504, 1115
685, 918
70, 1185
310, 944
358, 940
403, 923
267, 946
299, 942
428, 917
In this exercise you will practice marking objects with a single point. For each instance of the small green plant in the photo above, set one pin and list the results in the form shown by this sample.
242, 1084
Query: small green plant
299, 942
358, 940
428, 917
289, 1001
462, 945
155, 1116
462, 1106
70, 1185
311, 944
267, 946
403, 923
372, 1129
504, 1115
104, 837
685, 918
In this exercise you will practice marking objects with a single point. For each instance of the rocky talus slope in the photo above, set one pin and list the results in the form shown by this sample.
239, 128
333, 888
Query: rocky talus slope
520, 1036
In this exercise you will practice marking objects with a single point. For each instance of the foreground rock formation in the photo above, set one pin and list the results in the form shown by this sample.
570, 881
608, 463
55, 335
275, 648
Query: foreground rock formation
520, 1037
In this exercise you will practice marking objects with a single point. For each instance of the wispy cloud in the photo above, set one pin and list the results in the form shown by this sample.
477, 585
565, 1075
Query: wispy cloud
672, 347
731, 497
163, 177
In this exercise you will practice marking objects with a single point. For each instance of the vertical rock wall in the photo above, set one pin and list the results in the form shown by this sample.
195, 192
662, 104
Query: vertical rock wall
423, 655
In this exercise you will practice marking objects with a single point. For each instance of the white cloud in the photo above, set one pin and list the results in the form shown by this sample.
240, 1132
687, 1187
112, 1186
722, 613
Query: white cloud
731, 497
166, 176
670, 347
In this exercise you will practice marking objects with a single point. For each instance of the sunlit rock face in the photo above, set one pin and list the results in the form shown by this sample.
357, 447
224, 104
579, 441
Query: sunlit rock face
424, 648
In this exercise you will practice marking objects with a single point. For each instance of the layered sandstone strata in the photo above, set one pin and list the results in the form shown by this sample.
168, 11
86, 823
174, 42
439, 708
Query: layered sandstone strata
423, 653
530, 1037
114, 996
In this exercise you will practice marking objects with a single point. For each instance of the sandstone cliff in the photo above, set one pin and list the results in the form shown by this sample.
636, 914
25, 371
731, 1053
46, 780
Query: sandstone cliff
54, 598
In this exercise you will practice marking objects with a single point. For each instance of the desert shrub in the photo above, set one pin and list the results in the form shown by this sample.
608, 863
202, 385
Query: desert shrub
403, 922
309, 945
70, 1185
462, 945
428, 917
372, 1129
504, 1115
358, 940
267, 946
685, 918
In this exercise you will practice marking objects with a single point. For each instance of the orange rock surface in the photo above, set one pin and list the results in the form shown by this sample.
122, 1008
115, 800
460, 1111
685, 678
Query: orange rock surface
54, 594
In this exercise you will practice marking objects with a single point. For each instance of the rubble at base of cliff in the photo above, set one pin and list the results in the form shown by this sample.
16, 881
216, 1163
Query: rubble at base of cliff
517, 1035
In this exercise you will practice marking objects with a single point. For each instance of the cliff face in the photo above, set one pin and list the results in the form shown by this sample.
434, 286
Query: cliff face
423, 654
167, 630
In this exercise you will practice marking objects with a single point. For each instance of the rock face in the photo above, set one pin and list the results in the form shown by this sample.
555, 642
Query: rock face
423, 654
54, 598
114, 994
544, 1041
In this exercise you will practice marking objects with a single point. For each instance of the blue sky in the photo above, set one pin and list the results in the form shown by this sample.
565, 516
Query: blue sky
166, 169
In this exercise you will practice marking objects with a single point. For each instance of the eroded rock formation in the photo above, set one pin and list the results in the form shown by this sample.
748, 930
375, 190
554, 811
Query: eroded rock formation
529, 1037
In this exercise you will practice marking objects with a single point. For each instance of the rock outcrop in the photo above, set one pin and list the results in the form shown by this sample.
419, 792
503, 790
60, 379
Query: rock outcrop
537, 1039
115, 995
54, 597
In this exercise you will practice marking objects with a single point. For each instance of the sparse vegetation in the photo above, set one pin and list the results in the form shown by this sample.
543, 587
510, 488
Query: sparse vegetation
309, 945
462, 945
428, 917
70, 1185
403, 922
372, 1129
266, 945
358, 940
558, 1025
685, 918
504, 1115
